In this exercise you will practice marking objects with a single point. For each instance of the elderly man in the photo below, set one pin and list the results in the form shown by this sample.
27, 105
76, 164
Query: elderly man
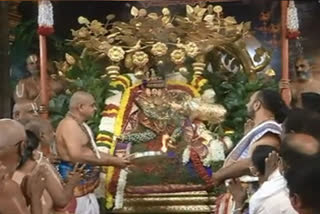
12, 138
25, 110
29, 88
304, 82
75, 143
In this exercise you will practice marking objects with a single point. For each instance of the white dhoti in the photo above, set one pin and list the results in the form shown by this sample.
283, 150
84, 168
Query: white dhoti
87, 204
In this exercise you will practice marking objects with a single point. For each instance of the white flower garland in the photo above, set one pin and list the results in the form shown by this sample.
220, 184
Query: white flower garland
292, 17
107, 123
120, 189
216, 152
123, 176
45, 14
186, 155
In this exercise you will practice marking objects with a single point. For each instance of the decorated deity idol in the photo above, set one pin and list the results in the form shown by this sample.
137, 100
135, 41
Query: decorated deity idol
163, 129
156, 119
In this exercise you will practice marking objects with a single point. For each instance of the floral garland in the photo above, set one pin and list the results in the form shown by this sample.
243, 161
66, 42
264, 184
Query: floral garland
107, 124
122, 181
125, 106
184, 87
199, 82
292, 21
45, 18
200, 169
121, 80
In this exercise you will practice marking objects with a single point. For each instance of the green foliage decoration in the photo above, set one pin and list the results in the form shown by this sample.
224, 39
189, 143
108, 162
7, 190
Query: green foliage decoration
233, 90
86, 74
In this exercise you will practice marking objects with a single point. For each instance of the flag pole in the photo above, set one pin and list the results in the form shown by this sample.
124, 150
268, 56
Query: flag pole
45, 28
44, 84
284, 85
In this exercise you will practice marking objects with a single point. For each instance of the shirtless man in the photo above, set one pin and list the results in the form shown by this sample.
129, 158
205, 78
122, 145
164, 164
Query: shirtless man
25, 110
304, 82
75, 144
57, 194
12, 200
29, 88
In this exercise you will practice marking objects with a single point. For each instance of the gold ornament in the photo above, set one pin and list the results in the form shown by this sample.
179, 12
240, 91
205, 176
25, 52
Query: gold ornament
183, 71
217, 9
198, 68
142, 12
139, 73
116, 54
191, 49
97, 28
159, 49
159, 63
166, 11
83, 20
153, 16
113, 71
62, 67
140, 59
178, 56
128, 61
81, 33
213, 113
104, 45
270, 73
70, 60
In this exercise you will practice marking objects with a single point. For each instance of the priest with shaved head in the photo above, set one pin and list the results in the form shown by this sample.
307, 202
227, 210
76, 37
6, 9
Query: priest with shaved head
12, 200
75, 144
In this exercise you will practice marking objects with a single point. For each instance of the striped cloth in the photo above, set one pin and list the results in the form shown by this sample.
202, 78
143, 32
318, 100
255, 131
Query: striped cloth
241, 151
225, 203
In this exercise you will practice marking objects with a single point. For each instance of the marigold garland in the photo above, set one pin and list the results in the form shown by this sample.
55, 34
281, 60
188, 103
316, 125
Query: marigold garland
198, 82
123, 108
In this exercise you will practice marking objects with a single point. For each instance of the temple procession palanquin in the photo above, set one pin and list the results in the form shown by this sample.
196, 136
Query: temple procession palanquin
163, 112
165, 178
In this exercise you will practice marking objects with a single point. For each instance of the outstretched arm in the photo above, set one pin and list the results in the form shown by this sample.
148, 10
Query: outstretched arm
241, 167
77, 150
235, 170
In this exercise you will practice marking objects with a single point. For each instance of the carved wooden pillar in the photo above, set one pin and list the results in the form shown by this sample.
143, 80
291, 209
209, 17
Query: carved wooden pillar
5, 91
284, 85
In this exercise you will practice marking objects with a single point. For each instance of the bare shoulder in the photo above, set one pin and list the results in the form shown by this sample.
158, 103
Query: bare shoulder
10, 187
268, 139
69, 131
66, 124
